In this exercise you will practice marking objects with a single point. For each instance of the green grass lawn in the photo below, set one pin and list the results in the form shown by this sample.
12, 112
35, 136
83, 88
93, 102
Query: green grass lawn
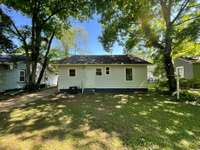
101, 121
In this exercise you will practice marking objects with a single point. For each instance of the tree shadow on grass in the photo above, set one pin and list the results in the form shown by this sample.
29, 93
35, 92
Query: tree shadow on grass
107, 121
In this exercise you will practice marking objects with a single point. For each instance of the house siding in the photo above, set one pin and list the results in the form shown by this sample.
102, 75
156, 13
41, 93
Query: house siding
9, 78
49, 78
188, 68
196, 71
86, 77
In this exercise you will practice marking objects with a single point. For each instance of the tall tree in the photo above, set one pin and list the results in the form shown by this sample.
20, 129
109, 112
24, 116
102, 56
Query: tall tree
68, 40
74, 38
161, 24
48, 17
6, 44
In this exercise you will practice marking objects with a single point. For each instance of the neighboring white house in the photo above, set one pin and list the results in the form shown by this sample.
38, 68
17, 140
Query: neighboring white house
102, 73
13, 73
190, 65
50, 77
151, 77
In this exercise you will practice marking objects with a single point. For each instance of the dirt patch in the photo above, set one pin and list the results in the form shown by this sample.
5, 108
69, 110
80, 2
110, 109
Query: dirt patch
19, 100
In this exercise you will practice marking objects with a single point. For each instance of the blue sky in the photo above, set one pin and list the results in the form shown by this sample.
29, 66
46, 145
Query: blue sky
94, 30
91, 26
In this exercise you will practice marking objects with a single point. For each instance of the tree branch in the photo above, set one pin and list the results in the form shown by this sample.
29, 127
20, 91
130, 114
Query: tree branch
187, 20
151, 37
53, 14
157, 45
183, 6
56, 11
197, 5
49, 43
166, 10
19, 34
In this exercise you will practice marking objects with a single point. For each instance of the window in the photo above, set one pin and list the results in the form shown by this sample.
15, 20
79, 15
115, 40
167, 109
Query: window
22, 76
72, 72
98, 72
107, 70
129, 74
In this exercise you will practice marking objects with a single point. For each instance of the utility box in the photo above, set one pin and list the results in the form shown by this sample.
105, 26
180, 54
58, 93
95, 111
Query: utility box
73, 90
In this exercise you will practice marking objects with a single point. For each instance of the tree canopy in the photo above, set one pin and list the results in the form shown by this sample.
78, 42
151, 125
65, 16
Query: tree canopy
165, 26
48, 19
74, 40
6, 44
160, 24
144, 22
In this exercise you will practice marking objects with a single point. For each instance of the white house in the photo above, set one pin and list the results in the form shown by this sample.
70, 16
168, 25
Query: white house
13, 73
102, 73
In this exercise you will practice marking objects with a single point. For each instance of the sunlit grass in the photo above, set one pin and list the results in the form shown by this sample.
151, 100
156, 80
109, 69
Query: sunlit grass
101, 121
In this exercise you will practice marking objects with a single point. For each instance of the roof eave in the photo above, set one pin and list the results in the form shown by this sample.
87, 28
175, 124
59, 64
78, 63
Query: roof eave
102, 64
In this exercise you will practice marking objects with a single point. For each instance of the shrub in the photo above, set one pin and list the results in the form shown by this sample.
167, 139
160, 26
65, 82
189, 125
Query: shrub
190, 83
161, 86
189, 96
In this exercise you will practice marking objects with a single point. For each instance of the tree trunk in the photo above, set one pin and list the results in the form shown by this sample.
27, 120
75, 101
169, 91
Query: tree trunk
35, 57
32, 55
169, 67
44, 65
35, 45
166, 7
28, 68
33, 70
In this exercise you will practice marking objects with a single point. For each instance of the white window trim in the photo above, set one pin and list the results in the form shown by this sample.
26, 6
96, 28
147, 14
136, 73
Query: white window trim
125, 74
69, 72
24, 75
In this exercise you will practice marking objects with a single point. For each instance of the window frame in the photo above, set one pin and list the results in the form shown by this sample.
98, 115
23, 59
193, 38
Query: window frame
24, 76
99, 74
126, 74
69, 72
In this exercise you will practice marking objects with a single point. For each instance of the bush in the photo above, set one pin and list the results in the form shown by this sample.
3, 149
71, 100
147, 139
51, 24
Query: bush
184, 84
161, 86
189, 96
189, 83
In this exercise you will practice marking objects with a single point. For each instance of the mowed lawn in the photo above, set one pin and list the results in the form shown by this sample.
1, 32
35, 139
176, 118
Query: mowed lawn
101, 121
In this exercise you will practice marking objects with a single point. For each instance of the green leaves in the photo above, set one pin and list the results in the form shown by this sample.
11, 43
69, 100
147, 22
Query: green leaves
48, 19
187, 48
6, 44
156, 24
127, 21
75, 39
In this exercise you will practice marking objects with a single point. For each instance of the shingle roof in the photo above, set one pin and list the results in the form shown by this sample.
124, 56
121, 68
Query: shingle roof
195, 59
12, 58
102, 59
